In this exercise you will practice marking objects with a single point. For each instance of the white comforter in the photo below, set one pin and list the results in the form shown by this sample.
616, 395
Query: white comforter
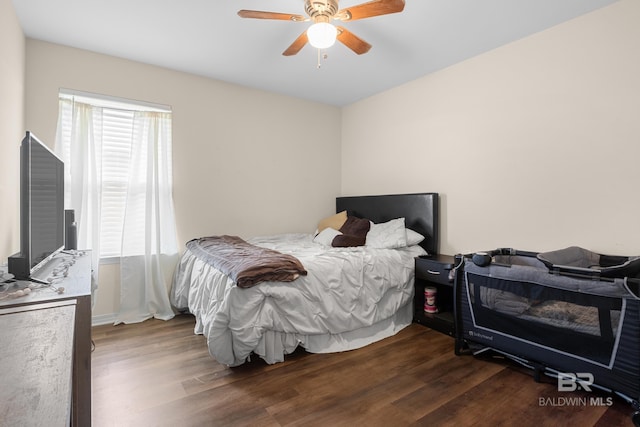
349, 298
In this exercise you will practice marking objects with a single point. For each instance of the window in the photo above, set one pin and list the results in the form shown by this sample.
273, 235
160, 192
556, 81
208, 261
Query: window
116, 155
113, 128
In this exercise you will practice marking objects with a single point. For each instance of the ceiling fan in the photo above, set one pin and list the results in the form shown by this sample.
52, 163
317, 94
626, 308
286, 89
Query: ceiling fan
322, 33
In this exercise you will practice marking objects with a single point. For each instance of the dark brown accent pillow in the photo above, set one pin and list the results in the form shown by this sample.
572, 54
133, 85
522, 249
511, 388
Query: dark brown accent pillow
354, 233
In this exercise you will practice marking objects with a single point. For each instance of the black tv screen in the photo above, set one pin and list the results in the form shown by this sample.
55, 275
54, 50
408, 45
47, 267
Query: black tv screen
41, 202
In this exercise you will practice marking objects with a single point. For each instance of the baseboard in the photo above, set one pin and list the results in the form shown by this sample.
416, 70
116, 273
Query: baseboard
103, 319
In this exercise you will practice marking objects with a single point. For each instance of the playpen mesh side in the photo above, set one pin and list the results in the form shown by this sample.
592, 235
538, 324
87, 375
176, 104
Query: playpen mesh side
606, 342
583, 325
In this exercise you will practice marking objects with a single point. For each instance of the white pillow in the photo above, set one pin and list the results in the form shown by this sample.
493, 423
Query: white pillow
413, 237
387, 235
325, 237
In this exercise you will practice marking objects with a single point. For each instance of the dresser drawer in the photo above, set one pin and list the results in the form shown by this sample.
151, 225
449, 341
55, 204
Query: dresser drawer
435, 269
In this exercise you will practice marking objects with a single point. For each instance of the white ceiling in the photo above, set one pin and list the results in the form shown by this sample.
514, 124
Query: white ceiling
207, 38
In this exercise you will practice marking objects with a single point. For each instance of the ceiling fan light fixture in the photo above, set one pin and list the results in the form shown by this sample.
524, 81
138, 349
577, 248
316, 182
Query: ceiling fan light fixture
322, 35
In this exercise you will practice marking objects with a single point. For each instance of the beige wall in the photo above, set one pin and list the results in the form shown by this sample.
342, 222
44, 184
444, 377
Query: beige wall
12, 48
534, 145
246, 162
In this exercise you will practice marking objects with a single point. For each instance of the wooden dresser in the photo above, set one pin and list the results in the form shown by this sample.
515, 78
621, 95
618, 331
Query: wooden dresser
45, 349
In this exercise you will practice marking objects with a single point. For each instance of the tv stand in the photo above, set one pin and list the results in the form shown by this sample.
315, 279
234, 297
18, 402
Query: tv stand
39, 308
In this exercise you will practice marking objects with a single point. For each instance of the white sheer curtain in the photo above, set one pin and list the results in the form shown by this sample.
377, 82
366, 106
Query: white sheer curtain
80, 147
149, 246
149, 250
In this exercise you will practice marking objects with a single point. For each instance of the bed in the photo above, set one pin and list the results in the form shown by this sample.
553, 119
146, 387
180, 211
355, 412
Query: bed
346, 297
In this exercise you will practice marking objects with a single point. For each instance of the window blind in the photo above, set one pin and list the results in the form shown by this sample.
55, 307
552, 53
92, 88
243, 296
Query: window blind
117, 129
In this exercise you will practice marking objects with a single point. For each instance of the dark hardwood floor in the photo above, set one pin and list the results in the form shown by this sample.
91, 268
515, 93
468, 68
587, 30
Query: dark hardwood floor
160, 374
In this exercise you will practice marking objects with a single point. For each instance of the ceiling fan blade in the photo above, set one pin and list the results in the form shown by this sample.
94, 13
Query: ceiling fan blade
297, 44
257, 14
370, 9
352, 41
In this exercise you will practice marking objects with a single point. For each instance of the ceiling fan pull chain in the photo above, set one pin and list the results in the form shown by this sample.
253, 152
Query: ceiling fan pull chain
321, 56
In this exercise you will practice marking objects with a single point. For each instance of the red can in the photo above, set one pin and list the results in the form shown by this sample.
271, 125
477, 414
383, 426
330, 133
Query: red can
430, 294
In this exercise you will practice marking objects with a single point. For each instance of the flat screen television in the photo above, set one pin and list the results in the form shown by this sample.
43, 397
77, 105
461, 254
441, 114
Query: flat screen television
41, 207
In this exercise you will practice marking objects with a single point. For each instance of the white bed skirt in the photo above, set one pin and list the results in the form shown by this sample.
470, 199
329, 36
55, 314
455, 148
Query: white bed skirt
275, 345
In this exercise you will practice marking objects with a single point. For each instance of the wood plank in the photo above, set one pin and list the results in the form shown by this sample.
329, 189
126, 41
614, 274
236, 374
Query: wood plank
159, 373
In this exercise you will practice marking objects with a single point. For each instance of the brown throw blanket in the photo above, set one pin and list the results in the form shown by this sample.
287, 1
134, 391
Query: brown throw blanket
246, 264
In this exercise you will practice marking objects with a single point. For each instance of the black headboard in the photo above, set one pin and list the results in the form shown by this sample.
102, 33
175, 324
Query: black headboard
420, 211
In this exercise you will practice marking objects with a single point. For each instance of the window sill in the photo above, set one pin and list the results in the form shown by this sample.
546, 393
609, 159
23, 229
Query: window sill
110, 260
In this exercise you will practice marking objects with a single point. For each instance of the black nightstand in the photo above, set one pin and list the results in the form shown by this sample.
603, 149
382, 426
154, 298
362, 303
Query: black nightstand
435, 271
